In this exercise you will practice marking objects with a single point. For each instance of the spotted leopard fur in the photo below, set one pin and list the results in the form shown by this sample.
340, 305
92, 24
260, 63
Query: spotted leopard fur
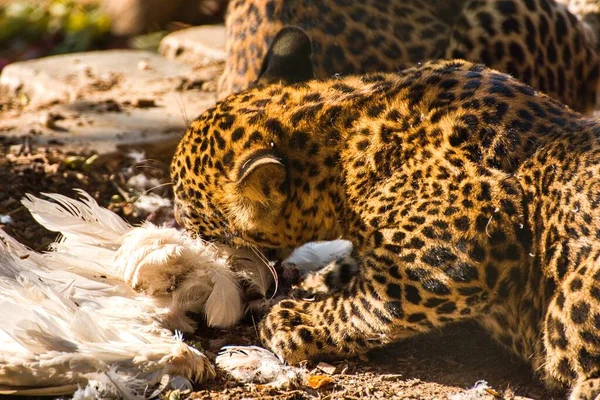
467, 195
537, 41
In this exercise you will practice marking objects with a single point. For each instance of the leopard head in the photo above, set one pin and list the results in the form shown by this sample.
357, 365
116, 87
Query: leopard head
230, 174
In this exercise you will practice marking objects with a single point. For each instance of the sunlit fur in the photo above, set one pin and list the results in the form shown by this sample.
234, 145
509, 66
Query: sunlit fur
538, 42
467, 196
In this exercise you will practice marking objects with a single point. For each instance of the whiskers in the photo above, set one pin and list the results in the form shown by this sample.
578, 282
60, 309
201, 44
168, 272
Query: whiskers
180, 102
151, 173
157, 187
152, 164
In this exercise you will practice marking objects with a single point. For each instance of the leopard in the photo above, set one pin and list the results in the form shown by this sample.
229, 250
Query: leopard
540, 42
467, 195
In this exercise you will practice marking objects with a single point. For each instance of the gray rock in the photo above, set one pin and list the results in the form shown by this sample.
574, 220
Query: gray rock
108, 100
197, 46
73, 76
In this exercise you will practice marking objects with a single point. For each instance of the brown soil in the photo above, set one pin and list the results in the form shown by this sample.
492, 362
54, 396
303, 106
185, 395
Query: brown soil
25, 169
430, 366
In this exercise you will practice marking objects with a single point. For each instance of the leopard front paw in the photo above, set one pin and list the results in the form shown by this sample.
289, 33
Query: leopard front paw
332, 278
295, 334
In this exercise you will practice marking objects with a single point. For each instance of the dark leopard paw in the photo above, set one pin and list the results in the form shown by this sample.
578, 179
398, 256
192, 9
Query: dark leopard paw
290, 332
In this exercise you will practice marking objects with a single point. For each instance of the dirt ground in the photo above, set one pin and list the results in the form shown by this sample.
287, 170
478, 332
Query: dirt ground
432, 366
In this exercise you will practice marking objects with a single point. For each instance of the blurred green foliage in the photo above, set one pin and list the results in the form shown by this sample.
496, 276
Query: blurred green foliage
69, 25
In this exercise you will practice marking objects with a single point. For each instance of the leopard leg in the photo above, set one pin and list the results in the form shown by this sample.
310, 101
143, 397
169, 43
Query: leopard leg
572, 332
379, 305
415, 274
316, 285
338, 324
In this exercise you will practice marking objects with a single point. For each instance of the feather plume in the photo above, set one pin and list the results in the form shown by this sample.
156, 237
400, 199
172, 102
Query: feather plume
253, 268
315, 255
81, 220
480, 391
47, 338
106, 296
253, 364
184, 274
224, 306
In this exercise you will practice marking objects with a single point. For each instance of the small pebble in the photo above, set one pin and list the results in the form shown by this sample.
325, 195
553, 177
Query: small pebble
145, 103
143, 65
16, 149
49, 120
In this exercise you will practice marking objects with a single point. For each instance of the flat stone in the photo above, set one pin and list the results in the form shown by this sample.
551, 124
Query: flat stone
109, 100
197, 46
70, 77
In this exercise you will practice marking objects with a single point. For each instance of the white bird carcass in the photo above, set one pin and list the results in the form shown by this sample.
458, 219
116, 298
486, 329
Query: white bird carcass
100, 308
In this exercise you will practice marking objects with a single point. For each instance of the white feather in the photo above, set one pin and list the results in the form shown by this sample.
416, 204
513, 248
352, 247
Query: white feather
184, 273
154, 259
48, 339
315, 255
72, 313
82, 221
253, 364
112, 385
148, 203
224, 306
253, 268
479, 391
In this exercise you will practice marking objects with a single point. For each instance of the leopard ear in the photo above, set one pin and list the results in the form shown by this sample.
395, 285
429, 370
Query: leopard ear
289, 59
261, 180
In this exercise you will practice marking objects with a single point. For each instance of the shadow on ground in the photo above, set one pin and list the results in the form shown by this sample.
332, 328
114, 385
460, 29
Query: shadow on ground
432, 366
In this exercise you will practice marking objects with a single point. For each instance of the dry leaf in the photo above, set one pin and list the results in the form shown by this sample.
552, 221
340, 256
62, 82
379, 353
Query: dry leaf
493, 392
318, 381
